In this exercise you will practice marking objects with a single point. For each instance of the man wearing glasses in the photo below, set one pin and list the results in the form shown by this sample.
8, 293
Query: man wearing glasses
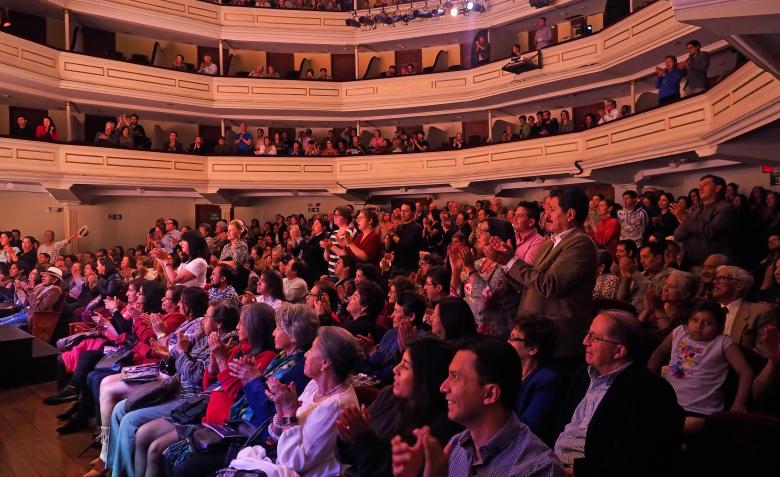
622, 419
172, 235
743, 318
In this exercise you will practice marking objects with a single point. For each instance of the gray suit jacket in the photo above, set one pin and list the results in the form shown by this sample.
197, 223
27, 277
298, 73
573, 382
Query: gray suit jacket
750, 318
559, 285
696, 71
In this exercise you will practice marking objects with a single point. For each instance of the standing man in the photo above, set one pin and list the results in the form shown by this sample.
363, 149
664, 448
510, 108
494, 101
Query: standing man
543, 36
559, 283
172, 235
52, 248
480, 54
633, 219
695, 69
406, 241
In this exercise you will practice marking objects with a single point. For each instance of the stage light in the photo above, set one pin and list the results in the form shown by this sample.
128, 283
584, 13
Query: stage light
5, 19
470, 5
454, 11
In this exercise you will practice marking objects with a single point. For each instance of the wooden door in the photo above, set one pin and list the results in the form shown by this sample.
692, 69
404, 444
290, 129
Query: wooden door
29, 27
99, 42
209, 213
476, 132
343, 67
283, 63
405, 57
579, 113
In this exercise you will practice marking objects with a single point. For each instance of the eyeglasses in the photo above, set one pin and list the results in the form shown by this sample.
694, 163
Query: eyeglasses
592, 337
515, 339
723, 279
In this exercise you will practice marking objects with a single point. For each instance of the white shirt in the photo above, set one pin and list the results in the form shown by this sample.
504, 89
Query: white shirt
210, 69
52, 249
733, 308
198, 268
557, 238
610, 116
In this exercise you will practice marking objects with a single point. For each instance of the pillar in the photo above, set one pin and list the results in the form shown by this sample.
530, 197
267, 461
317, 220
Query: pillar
68, 121
357, 62
72, 223
490, 125
221, 59
222, 126
66, 14
225, 210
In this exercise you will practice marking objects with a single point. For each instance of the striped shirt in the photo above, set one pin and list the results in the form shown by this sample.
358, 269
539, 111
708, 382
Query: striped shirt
514, 451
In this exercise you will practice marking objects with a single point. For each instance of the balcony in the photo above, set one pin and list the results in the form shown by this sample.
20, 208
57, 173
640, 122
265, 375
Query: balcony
695, 127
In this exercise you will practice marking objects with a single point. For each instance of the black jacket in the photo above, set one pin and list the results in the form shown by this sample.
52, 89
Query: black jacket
636, 429
312, 254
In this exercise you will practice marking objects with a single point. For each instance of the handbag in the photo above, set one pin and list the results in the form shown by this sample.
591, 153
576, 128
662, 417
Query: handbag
140, 374
114, 361
212, 438
191, 411
150, 394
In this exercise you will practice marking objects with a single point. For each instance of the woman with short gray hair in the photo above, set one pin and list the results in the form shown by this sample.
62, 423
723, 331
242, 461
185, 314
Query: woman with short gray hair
675, 304
305, 426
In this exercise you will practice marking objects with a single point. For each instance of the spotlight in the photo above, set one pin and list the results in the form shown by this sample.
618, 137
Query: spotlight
454, 11
470, 6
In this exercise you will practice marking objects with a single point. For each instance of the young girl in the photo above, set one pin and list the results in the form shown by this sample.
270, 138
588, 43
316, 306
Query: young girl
700, 358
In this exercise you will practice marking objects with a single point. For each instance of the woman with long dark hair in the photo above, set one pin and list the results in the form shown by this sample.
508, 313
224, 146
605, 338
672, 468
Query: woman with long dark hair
192, 271
412, 401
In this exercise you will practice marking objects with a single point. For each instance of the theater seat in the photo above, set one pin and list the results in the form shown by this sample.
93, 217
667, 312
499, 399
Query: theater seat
43, 323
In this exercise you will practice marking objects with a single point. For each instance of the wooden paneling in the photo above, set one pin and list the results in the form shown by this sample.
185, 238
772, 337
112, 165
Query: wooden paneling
405, 57
343, 67
283, 63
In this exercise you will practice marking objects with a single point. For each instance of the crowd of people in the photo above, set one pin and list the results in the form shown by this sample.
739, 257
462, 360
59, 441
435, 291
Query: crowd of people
568, 337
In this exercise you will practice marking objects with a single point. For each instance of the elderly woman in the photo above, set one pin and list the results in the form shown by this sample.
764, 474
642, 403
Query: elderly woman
191, 358
305, 426
255, 342
541, 387
235, 251
412, 401
296, 328
674, 306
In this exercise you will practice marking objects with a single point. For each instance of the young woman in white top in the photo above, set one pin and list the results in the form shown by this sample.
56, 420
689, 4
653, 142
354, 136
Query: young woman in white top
192, 272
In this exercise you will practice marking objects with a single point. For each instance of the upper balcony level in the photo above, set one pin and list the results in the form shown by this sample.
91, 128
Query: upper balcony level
198, 20
690, 131
626, 50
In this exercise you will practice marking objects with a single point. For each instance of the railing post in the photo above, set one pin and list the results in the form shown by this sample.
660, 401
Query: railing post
490, 125
357, 62
68, 121
66, 14
221, 59
222, 126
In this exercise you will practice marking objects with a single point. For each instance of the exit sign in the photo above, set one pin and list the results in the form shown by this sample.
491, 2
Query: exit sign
774, 179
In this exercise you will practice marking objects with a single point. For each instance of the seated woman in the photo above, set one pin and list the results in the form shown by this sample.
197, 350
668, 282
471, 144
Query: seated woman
699, 356
112, 389
413, 400
452, 319
673, 307
542, 387
304, 427
408, 313
296, 328
191, 358
255, 343
606, 286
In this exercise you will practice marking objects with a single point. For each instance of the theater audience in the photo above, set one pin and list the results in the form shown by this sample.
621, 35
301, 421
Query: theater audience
543, 36
607, 230
668, 81
607, 283
207, 67
47, 131
673, 306
610, 112
22, 129
695, 69
178, 64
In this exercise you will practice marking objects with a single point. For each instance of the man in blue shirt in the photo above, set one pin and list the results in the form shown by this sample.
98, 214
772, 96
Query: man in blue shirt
668, 81
481, 390
243, 142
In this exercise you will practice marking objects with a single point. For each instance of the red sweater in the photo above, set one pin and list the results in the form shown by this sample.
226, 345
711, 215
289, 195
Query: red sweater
142, 352
607, 234
221, 400
40, 133
371, 245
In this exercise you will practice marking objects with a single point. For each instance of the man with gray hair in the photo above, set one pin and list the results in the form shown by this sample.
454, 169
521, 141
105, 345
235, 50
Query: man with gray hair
52, 248
707, 274
620, 416
743, 318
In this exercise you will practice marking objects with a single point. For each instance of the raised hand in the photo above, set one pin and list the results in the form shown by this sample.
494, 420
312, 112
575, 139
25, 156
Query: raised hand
352, 423
244, 370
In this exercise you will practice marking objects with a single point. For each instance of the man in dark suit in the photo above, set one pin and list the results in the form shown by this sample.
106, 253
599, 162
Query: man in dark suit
620, 419
559, 284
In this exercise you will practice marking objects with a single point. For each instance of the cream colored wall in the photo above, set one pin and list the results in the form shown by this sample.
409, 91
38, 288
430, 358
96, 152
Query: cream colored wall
55, 33
247, 60
429, 54
386, 58
28, 212
265, 209
130, 44
564, 31
318, 60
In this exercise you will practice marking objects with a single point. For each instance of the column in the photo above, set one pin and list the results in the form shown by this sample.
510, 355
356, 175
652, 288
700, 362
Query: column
357, 127
222, 126
68, 122
490, 125
225, 210
357, 62
66, 14
221, 59
632, 84
71, 223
